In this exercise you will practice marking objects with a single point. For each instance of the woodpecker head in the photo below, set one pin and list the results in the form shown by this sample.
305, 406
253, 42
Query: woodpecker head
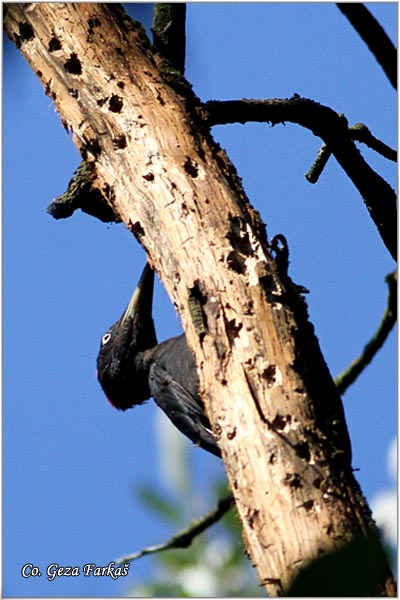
118, 362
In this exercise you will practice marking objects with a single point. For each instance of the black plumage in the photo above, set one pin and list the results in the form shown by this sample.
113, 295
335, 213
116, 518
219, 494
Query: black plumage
132, 367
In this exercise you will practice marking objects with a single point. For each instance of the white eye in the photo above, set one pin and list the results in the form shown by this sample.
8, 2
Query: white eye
106, 338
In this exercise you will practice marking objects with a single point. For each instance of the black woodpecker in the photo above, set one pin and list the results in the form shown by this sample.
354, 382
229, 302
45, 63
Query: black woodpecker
132, 367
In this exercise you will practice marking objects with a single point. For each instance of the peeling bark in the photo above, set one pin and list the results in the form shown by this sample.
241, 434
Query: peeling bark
270, 397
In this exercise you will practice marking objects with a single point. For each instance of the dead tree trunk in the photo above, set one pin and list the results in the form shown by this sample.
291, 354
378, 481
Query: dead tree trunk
270, 397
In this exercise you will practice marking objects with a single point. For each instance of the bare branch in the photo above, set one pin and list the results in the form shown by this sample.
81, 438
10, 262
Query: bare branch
319, 164
374, 36
184, 538
332, 128
360, 133
345, 379
268, 392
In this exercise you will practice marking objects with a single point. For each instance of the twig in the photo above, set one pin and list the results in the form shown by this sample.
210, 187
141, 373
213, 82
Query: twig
184, 538
332, 128
360, 133
374, 36
345, 379
169, 36
319, 164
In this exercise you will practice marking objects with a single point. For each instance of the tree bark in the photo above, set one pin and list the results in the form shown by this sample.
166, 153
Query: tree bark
270, 397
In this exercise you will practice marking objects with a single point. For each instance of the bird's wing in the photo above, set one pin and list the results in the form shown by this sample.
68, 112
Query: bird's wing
182, 409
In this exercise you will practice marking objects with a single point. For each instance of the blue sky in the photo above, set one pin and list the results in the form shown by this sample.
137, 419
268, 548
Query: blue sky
72, 464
